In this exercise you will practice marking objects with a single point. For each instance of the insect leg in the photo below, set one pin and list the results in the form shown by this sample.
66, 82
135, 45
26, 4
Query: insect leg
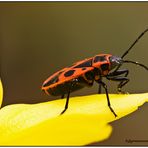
107, 96
67, 101
99, 89
122, 80
119, 72
121, 84
68, 94
62, 96
114, 76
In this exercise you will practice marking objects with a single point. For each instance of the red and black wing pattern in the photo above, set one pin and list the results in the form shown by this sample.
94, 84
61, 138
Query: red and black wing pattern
68, 73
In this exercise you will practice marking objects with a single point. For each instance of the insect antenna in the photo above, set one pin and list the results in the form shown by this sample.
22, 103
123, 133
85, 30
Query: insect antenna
132, 45
126, 52
136, 63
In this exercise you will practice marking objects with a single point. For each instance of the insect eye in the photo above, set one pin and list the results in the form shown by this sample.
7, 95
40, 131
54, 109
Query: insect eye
115, 61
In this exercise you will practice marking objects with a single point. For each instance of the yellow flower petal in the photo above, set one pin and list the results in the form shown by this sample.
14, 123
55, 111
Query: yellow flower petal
1, 93
61, 131
84, 122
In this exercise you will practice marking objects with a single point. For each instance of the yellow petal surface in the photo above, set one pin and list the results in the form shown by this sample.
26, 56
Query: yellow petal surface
1, 93
85, 121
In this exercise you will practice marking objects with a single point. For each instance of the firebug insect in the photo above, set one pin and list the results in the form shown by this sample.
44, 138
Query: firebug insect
85, 72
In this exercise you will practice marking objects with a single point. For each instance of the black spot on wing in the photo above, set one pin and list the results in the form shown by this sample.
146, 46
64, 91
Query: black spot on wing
99, 59
104, 67
84, 68
69, 73
53, 80
89, 75
87, 63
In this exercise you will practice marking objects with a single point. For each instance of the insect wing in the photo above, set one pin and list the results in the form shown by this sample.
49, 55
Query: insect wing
69, 73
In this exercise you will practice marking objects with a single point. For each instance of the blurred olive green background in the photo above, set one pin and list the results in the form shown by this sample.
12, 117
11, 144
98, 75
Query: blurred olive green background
37, 39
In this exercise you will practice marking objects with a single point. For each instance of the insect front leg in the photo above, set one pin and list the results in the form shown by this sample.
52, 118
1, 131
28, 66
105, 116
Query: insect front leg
122, 80
107, 96
119, 72
115, 76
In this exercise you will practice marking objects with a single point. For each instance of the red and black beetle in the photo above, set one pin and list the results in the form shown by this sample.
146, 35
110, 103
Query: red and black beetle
85, 72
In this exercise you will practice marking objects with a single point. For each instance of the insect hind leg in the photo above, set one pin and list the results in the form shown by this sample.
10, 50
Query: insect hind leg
67, 102
68, 95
